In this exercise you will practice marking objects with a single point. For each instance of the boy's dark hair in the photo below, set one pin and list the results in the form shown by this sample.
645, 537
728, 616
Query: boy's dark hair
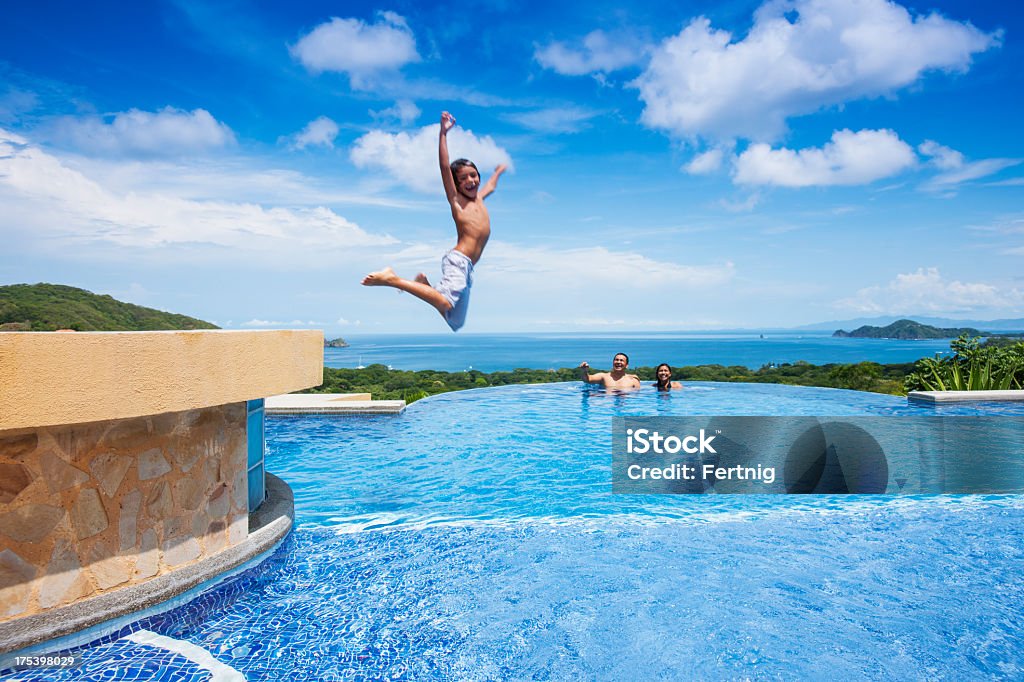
462, 163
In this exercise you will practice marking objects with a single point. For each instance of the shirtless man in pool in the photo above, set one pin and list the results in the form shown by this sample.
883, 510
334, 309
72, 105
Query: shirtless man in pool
617, 378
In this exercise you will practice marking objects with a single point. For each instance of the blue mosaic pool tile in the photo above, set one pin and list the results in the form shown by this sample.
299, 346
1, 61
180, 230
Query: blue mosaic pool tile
119, 661
502, 602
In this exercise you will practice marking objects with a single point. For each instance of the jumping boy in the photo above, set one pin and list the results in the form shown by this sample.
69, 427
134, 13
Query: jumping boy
472, 224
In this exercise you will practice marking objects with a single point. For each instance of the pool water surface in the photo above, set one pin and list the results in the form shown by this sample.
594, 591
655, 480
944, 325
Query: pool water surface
476, 537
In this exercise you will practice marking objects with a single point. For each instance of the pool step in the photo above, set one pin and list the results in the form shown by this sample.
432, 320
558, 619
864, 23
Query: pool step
331, 403
965, 396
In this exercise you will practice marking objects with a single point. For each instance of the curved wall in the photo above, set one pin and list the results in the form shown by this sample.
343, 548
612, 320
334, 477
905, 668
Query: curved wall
123, 456
93, 507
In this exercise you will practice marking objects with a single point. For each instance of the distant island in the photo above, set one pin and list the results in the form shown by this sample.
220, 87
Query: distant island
907, 330
49, 307
336, 343
1015, 325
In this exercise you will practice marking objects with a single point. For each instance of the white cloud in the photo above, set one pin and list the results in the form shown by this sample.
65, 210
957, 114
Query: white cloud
557, 269
535, 271
582, 286
941, 156
705, 163
238, 179
168, 132
745, 205
956, 169
277, 323
704, 83
319, 132
404, 111
362, 51
526, 282
925, 291
554, 120
1004, 233
15, 102
48, 201
598, 53
412, 158
1012, 225
971, 171
851, 158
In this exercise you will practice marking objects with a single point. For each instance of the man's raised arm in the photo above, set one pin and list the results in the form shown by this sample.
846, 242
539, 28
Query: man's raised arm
450, 191
585, 374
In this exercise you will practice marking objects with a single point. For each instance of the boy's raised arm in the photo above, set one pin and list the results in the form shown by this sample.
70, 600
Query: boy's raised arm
447, 121
492, 182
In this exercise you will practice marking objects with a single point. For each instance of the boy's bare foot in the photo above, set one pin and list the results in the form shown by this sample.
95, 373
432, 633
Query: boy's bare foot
380, 278
422, 279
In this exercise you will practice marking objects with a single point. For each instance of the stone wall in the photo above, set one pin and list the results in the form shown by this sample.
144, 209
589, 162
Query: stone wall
94, 507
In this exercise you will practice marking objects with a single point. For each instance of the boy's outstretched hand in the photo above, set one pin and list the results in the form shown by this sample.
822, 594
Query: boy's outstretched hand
447, 121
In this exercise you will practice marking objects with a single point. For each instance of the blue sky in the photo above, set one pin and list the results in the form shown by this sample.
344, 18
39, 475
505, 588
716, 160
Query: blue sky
679, 165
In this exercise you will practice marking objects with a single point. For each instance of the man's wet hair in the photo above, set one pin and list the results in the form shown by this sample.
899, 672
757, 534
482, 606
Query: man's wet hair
623, 355
462, 163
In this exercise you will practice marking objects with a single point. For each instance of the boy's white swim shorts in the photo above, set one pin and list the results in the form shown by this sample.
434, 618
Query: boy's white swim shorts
456, 280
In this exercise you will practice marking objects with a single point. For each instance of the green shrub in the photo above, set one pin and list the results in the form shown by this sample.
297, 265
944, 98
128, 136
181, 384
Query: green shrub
395, 384
971, 367
863, 376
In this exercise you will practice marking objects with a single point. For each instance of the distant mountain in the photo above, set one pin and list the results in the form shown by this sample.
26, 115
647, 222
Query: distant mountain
48, 307
907, 329
1002, 325
336, 343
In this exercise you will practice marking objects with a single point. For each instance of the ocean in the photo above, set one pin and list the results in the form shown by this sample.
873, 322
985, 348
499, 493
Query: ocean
497, 352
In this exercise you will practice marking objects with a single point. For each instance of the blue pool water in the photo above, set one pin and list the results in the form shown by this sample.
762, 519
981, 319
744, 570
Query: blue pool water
476, 537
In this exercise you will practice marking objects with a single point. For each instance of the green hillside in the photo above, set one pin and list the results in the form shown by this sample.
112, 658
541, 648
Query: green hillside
907, 329
47, 307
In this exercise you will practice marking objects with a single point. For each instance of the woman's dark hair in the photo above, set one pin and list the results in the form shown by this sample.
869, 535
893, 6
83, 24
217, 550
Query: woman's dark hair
462, 163
657, 381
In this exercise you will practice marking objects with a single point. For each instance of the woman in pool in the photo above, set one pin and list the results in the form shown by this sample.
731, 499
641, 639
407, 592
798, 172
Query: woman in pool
664, 382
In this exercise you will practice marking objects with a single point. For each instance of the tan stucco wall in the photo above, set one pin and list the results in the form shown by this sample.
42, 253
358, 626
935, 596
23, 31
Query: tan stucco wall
91, 508
50, 378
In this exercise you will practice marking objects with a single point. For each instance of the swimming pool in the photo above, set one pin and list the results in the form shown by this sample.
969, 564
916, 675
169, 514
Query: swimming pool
476, 537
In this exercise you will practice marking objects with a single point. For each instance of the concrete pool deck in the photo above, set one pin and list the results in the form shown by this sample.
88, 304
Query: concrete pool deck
331, 403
